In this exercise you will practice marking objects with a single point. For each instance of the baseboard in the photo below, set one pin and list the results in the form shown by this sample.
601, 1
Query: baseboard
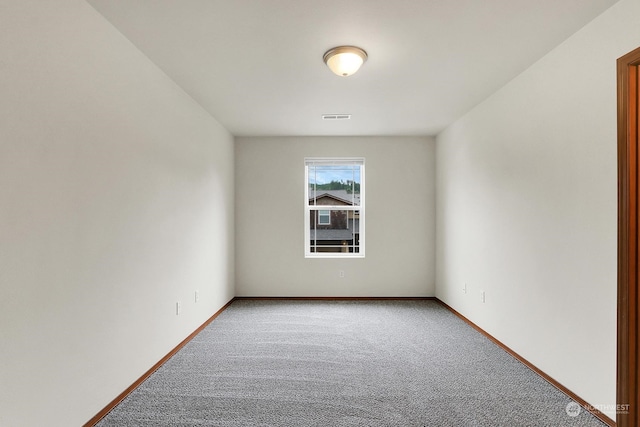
601, 416
100, 415
338, 298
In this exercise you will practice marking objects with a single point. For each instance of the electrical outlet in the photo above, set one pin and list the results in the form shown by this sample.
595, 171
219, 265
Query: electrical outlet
196, 297
482, 296
341, 274
178, 308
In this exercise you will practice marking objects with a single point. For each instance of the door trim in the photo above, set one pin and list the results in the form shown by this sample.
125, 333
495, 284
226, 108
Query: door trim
628, 238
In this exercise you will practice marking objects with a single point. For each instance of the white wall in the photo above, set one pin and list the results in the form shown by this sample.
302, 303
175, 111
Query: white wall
526, 209
400, 222
116, 201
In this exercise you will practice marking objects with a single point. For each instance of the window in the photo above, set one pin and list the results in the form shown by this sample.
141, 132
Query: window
334, 207
324, 217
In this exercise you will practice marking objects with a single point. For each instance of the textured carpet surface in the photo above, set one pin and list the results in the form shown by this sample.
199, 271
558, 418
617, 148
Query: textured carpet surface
343, 363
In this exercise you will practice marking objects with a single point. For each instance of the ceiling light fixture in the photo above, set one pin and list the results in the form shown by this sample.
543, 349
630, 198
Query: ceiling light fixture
345, 60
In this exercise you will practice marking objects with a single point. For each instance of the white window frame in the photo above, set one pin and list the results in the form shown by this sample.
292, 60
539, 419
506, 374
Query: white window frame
356, 208
327, 215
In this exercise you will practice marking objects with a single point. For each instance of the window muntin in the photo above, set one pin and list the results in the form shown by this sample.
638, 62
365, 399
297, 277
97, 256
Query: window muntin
334, 207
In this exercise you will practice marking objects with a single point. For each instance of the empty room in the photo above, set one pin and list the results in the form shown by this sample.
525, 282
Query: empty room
290, 213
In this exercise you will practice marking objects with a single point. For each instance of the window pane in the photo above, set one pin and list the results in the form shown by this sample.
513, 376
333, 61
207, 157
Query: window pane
334, 184
324, 217
341, 234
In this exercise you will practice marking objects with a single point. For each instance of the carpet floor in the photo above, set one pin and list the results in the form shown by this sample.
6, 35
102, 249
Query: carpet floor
343, 363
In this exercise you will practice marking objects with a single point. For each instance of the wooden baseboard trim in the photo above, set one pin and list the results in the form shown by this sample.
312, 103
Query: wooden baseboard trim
93, 421
282, 298
601, 416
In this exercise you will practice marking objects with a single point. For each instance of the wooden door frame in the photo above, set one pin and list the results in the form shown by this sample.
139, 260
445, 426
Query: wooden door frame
628, 238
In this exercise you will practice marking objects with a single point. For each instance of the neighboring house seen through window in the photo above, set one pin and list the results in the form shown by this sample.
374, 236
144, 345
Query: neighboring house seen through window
334, 207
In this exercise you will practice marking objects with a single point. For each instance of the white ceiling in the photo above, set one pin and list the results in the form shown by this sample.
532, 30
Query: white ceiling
256, 65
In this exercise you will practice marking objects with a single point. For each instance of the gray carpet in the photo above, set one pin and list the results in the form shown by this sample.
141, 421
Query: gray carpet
343, 363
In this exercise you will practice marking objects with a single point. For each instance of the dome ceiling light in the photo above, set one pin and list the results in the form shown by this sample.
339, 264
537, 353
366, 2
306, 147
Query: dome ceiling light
345, 60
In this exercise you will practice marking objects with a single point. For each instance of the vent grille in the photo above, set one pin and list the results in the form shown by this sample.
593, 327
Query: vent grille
336, 117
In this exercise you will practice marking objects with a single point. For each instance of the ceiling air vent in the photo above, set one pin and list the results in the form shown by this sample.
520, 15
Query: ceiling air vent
336, 117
